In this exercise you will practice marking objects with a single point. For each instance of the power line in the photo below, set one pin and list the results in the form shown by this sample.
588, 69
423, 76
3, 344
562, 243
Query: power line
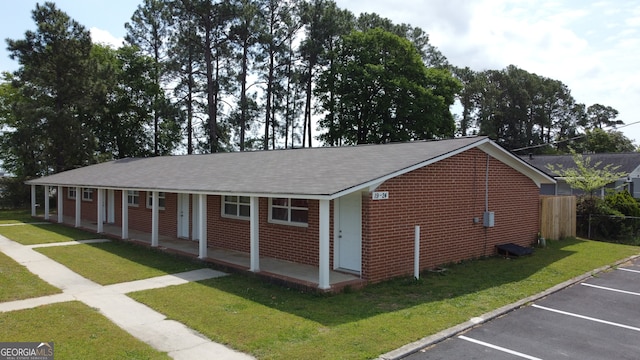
565, 140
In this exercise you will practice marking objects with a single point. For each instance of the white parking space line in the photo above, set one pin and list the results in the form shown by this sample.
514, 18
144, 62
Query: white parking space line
500, 348
587, 318
611, 289
630, 270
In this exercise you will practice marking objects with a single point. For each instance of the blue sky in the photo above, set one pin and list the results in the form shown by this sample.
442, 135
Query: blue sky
591, 46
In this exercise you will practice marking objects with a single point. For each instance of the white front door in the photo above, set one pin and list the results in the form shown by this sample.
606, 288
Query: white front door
350, 232
183, 216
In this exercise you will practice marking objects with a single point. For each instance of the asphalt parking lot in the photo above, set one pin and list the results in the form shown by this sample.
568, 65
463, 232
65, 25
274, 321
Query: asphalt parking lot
598, 318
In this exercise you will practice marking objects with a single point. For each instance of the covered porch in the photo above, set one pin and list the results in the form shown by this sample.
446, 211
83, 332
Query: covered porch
294, 274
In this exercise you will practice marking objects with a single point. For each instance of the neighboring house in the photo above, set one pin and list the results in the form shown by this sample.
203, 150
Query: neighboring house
348, 209
628, 163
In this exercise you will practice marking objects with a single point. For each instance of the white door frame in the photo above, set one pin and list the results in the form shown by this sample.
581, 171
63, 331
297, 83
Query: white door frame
342, 260
183, 216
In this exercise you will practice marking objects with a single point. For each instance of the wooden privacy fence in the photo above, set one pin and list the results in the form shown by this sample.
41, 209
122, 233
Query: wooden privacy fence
557, 217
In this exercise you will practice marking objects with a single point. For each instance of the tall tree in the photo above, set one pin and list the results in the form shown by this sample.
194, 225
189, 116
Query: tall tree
54, 75
599, 116
149, 30
324, 23
384, 92
213, 20
245, 33
186, 59
281, 25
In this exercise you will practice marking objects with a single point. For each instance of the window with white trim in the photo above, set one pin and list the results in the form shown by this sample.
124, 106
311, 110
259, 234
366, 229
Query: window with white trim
87, 194
71, 193
161, 198
289, 211
236, 206
133, 197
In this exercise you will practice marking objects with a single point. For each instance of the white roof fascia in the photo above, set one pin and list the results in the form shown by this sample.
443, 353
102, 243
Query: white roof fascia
377, 182
195, 192
499, 153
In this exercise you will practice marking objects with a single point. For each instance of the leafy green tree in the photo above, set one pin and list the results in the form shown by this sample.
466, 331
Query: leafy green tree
585, 176
20, 151
383, 92
124, 106
418, 37
603, 141
55, 72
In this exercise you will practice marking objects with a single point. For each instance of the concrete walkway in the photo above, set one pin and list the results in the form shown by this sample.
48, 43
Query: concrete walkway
144, 323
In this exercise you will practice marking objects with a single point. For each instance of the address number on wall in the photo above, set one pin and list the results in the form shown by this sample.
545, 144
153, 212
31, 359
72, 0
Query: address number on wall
380, 195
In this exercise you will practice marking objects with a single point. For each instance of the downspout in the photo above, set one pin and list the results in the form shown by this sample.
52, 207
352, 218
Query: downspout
486, 204
486, 186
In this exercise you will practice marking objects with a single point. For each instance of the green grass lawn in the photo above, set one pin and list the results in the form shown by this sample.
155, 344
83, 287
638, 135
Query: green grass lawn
272, 322
17, 283
16, 216
78, 332
44, 234
116, 262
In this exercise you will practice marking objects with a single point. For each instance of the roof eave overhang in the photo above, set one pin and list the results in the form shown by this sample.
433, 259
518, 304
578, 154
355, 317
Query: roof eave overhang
500, 153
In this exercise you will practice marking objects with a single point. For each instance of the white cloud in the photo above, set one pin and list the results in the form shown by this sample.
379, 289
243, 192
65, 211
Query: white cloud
100, 36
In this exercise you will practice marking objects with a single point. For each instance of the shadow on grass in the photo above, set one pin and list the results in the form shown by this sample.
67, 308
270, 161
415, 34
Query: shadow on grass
459, 280
150, 257
30, 234
16, 216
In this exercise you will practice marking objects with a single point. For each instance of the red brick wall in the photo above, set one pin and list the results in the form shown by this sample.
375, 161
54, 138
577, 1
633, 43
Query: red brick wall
88, 208
443, 198
293, 243
139, 216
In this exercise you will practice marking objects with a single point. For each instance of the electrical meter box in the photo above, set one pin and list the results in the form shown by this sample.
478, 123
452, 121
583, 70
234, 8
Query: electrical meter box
488, 219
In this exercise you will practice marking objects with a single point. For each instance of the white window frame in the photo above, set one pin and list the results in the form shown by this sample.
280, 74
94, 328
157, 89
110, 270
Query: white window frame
238, 203
161, 200
288, 207
71, 193
87, 194
131, 195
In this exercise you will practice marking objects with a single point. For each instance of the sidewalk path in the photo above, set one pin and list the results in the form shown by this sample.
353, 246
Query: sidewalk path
144, 323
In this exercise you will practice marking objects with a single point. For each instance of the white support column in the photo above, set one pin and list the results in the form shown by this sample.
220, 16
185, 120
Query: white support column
46, 202
60, 204
202, 226
78, 206
154, 219
255, 234
100, 215
33, 200
416, 253
125, 215
323, 278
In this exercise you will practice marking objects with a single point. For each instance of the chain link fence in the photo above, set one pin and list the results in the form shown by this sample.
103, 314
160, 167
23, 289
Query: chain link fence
609, 228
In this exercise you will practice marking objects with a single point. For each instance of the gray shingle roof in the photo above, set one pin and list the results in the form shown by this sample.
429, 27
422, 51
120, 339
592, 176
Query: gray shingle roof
312, 172
627, 162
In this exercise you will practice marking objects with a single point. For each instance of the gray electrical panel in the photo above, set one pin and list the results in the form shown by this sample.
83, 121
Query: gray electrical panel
488, 219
